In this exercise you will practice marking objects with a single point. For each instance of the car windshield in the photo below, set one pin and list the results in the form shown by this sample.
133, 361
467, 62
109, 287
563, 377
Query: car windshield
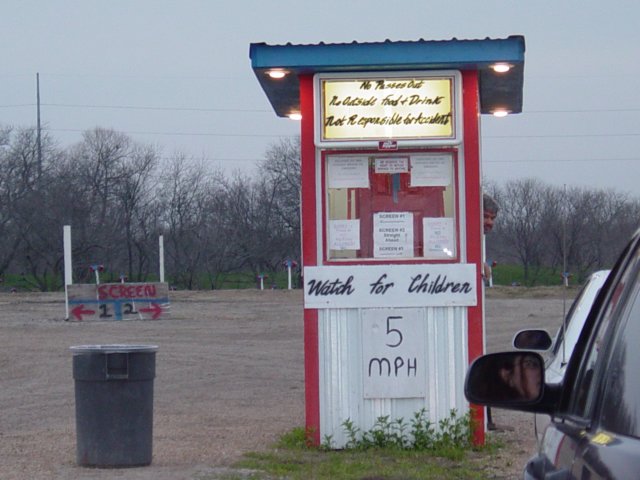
574, 320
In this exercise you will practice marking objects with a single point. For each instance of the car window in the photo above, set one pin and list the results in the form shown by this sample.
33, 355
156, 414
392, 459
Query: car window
592, 372
621, 400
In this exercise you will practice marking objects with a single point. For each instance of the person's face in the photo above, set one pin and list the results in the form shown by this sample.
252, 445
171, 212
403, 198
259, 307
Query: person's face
524, 376
489, 219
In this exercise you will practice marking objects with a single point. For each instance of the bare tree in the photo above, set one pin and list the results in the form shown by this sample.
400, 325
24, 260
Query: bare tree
281, 167
185, 194
9, 237
253, 220
614, 217
132, 196
27, 210
522, 220
579, 229
568, 226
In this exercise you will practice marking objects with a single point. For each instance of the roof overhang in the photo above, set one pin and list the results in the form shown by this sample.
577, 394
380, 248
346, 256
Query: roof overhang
498, 91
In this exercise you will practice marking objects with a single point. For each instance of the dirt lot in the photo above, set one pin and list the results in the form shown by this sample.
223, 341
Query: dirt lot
229, 379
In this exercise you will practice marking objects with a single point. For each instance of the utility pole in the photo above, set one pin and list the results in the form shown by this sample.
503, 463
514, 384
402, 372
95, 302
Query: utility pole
39, 129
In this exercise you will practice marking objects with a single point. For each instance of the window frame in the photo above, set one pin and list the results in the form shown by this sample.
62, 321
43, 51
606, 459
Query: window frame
455, 186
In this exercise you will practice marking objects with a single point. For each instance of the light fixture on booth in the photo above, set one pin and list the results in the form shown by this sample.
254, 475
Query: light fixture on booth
295, 116
500, 112
501, 67
277, 73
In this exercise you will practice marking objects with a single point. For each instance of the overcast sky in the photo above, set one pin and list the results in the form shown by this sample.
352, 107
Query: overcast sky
177, 74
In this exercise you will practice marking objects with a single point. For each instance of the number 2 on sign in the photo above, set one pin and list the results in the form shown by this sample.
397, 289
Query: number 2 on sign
129, 309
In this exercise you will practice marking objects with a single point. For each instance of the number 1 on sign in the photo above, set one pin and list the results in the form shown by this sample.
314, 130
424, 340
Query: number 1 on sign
104, 311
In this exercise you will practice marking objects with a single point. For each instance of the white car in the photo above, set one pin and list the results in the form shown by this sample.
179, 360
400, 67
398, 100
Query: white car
561, 347
567, 335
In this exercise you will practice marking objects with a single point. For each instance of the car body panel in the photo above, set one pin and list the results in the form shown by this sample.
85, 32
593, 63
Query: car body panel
573, 453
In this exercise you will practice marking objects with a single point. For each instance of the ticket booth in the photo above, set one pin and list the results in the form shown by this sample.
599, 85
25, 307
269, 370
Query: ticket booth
391, 218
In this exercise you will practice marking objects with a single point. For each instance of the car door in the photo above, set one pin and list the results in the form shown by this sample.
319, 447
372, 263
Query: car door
595, 432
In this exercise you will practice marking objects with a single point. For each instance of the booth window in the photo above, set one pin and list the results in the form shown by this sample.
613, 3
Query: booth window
398, 206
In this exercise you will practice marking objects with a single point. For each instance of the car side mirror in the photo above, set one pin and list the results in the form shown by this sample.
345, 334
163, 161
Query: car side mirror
532, 340
509, 379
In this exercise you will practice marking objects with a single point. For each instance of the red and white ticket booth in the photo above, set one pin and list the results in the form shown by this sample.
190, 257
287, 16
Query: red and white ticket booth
391, 216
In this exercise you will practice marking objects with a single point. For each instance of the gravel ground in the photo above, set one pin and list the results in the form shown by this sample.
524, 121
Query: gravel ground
229, 380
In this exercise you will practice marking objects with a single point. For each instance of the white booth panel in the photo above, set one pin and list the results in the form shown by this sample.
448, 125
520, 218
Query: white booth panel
347, 389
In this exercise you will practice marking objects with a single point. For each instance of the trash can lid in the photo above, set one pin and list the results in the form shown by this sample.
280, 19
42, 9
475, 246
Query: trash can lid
116, 348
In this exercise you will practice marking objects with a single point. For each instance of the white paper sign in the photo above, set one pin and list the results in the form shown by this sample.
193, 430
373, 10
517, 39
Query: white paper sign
393, 234
344, 234
393, 353
431, 171
412, 285
348, 172
438, 237
392, 165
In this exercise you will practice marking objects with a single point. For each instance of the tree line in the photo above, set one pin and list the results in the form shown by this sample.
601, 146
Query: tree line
119, 196
573, 231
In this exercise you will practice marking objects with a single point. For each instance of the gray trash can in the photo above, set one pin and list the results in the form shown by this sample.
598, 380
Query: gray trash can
114, 404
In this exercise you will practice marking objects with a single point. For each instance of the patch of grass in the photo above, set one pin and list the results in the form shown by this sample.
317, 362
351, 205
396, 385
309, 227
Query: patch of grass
452, 433
392, 449
297, 439
504, 274
374, 463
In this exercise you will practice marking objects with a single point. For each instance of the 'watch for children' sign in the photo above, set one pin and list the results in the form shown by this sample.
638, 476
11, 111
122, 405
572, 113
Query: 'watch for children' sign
362, 286
421, 107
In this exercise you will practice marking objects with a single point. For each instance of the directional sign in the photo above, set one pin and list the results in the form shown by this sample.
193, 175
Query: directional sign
118, 301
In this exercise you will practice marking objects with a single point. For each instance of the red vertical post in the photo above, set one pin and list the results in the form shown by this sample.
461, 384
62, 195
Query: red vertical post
473, 197
309, 256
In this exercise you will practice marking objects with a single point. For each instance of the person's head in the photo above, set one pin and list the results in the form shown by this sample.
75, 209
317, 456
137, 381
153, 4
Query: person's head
489, 212
523, 376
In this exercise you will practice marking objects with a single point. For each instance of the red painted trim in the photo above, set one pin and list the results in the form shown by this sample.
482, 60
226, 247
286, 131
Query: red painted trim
471, 122
477, 414
312, 376
308, 173
309, 256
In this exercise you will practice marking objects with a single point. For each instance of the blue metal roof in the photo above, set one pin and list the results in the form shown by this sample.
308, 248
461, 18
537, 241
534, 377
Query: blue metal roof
497, 90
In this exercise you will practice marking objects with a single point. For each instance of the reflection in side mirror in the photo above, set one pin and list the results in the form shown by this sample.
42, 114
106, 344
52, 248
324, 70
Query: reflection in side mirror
532, 340
505, 379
